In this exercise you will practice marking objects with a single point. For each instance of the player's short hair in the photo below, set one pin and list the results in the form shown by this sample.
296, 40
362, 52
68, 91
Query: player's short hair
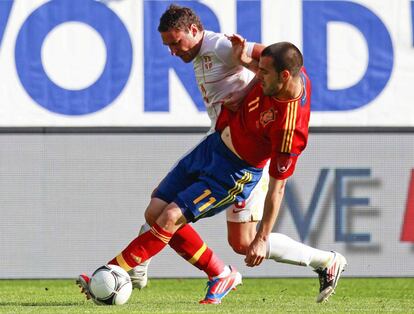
178, 18
286, 56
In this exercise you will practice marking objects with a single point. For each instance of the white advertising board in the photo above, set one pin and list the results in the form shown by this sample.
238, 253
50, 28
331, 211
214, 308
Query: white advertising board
70, 203
102, 63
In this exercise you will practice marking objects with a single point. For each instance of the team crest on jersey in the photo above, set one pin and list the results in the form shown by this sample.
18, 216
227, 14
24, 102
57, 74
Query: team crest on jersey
267, 116
208, 63
283, 163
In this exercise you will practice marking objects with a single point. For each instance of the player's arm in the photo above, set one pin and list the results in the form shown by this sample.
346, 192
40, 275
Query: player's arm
257, 51
234, 99
256, 252
245, 55
282, 166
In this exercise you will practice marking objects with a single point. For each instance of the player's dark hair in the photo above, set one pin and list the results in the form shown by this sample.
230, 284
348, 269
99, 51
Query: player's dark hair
178, 18
286, 56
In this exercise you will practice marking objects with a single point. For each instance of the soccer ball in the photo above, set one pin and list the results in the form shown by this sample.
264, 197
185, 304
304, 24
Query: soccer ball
110, 285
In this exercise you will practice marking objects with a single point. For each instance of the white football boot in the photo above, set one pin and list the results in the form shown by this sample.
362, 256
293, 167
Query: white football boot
139, 275
329, 277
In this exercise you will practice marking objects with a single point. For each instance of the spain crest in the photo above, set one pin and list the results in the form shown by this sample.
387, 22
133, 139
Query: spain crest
267, 116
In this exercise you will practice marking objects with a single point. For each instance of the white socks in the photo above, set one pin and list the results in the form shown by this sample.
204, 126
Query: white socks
283, 249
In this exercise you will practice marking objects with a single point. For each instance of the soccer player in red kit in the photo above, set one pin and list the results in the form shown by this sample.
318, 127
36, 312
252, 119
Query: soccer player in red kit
271, 123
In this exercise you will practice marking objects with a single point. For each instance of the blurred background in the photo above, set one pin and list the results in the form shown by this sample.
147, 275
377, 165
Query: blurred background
94, 112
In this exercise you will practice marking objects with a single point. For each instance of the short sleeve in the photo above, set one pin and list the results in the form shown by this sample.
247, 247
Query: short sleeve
282, 166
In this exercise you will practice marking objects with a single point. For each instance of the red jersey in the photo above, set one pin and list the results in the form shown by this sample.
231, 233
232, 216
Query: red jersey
265, 127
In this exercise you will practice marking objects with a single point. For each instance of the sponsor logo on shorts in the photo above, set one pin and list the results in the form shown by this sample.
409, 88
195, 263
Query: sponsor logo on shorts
240, 206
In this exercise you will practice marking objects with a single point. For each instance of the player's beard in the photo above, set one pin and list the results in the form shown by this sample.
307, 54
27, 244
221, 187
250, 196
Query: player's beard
272, 88
187, 57
190, 54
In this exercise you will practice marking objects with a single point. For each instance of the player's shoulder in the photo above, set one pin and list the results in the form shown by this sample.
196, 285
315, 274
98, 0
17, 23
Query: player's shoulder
305, 100
211, 38
212, 41
255, 93
305, 77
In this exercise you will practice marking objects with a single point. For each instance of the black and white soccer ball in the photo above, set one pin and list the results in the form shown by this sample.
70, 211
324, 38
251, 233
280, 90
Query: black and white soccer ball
110, 285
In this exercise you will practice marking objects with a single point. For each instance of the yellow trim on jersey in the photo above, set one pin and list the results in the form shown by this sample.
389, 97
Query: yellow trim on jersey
237, 189
160, 236
253, 102
198, 254
121, 262
289, 127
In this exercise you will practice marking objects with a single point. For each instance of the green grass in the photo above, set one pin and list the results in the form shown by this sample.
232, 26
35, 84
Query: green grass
372, 295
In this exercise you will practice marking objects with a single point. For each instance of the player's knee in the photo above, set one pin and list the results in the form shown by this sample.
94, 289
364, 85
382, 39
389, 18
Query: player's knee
239, 246
239, 249
171, 216
150, 218
240, 235
154, 210
151, 214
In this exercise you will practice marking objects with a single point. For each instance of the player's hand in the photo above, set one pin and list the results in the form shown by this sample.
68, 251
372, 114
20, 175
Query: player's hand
239, 49
232, 101
256, 253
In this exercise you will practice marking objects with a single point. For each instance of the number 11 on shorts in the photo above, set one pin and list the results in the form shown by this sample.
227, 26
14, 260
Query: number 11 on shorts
202, 197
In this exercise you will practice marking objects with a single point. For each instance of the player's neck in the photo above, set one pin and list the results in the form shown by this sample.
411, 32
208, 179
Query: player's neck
199, 44
292, 90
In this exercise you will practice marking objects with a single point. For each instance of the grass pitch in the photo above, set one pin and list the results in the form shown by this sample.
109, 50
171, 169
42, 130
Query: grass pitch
371, 295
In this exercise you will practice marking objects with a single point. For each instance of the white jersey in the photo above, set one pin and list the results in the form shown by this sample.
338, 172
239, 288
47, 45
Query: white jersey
216, 73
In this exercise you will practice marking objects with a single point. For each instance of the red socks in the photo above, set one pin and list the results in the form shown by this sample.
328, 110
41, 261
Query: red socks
142, 248
188, 244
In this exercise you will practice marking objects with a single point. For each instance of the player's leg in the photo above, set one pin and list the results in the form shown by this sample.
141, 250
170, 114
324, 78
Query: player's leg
175, 215
243, 217
146, 244
139, 274
240, 235
187, 243
190, 246
178, 179
241, 224
153, 241
219, 185
328, 265
280, 247
196, 202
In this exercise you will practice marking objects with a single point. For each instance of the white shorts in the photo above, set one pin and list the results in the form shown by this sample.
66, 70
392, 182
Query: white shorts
252, 208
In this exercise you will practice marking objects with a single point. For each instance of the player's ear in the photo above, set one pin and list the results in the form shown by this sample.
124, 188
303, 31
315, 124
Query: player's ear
193, 30
285, 74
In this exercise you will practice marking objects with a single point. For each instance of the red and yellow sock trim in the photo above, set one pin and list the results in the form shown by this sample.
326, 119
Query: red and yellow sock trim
198, 254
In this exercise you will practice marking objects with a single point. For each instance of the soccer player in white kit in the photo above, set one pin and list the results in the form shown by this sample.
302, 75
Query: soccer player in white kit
222, 82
